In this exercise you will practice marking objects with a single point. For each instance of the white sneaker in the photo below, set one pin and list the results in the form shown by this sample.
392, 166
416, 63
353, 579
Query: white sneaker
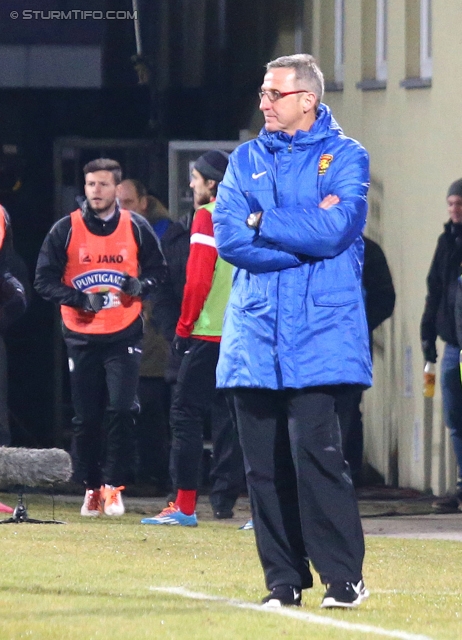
92, 503
113, 504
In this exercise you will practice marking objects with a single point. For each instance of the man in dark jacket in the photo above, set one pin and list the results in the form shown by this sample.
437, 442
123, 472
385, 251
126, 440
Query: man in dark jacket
98, 263
197, 339
152, 427
175, 245
379, 297
439, 320
13, 303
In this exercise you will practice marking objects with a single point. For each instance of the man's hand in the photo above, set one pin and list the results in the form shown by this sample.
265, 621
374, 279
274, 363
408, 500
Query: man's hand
180, 345
329, 201
131, 286
10, 287
94, 302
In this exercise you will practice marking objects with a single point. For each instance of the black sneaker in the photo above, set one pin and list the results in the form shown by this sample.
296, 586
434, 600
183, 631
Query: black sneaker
448, 504
223, 514
344, 594
284, 595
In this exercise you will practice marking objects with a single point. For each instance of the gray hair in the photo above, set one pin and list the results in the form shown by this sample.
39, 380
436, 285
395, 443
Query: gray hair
306, 71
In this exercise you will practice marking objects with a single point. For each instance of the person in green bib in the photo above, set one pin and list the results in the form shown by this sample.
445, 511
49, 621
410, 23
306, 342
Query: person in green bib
197, 340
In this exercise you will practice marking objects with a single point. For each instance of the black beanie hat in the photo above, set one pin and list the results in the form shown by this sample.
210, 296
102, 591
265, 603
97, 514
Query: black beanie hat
212, 165
455, 189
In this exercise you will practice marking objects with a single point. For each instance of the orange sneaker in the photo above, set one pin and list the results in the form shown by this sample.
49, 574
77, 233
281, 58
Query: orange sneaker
113, 504
92, 503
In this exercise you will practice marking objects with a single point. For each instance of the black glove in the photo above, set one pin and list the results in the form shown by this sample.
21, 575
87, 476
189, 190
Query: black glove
94, 302
131, 286
13, 301
429, 351
180, 345
10, 288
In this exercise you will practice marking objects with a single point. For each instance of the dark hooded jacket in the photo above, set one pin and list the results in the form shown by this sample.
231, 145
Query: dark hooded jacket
167, 298
439, 314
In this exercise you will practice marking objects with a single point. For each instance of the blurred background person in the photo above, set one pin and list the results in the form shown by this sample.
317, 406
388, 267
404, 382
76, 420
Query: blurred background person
152, 431
438, 320
379, 299
13, 303
14, 296
175, 245
197, 341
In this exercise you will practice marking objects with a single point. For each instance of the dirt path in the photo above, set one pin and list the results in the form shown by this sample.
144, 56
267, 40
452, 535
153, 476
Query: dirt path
402, 514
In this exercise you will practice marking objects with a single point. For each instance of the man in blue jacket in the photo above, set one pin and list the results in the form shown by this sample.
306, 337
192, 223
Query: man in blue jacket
289, 216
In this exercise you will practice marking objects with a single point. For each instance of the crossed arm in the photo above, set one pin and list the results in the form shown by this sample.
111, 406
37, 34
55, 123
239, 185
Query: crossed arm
286, 236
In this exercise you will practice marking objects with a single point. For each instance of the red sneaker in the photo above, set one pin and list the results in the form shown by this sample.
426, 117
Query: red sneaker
4, 508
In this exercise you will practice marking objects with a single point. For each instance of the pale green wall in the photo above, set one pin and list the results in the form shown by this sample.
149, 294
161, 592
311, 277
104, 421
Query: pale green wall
414, 138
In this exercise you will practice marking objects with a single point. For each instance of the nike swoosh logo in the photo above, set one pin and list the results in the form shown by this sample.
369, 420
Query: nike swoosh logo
357, 587
255, 176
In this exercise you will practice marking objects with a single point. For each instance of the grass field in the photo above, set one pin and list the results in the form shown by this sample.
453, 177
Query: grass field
103, 579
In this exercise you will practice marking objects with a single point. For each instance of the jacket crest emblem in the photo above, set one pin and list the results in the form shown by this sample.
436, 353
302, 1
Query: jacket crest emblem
324, 162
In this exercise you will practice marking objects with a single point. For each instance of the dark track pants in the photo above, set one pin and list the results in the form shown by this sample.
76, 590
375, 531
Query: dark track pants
5, 434
104, 378
303, 502
348, 403
153, 431
194, 396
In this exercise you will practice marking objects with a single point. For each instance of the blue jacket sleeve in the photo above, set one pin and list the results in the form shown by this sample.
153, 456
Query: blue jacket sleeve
236, 243
324, 233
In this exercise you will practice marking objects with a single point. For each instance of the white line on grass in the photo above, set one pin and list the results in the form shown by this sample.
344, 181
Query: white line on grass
293, 613
403, 592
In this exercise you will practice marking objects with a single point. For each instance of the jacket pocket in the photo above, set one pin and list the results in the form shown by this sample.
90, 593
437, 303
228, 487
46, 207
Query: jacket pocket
335, 297
249, 291
250, 305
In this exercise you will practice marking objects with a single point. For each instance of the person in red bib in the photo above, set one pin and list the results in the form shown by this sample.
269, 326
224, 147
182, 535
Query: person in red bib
98, 263
13, 303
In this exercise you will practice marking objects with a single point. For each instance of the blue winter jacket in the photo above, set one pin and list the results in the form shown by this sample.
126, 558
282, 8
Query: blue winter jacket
295, 317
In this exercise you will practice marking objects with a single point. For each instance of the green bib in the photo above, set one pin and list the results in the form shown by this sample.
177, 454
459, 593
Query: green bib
210, 321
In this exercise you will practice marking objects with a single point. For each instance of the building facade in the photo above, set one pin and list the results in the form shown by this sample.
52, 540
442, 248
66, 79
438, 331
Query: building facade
392, 70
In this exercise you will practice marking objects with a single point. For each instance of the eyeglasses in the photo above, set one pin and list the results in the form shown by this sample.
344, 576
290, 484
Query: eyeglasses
274, 94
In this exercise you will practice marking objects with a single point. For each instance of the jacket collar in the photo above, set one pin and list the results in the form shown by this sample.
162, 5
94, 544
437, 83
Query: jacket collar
324, 126
90, 215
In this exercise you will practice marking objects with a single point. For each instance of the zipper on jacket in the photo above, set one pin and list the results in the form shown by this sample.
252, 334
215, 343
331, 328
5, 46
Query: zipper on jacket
289, 148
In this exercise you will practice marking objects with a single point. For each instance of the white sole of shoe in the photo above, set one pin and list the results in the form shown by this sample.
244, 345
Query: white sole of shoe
114, 513
272, 604
332, 603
